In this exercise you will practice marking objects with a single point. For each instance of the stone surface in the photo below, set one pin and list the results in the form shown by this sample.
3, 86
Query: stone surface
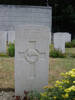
2, 42
12, 15
50, 38
31, 58
67, 37
11, 36
59, 42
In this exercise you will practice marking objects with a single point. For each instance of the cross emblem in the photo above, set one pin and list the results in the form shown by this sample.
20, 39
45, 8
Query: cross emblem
32, 56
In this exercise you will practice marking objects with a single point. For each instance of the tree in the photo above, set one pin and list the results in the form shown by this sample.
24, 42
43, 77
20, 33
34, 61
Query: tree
63, 15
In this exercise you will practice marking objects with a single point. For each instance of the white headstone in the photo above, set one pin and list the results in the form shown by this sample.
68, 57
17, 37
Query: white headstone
67, 37
11, 36
2, 42
31, 58
59, 42
12, 15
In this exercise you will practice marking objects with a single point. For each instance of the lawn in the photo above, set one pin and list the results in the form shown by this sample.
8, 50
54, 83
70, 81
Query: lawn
57, 65
6, 72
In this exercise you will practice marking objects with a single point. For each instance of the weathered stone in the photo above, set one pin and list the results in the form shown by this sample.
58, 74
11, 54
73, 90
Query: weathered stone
67, 36
32, 58
2, 42
59, 42
11, 36
12, 15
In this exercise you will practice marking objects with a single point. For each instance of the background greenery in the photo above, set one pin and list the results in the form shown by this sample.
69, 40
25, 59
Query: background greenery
11, 50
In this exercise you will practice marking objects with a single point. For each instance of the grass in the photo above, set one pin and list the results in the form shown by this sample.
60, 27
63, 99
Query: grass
70, 52
6, 72
57, 65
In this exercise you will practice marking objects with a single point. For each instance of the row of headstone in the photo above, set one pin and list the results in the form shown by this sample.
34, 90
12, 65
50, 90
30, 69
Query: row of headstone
9, 37
60, 39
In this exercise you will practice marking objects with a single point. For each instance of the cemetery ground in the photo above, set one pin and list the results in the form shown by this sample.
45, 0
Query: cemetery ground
57, 65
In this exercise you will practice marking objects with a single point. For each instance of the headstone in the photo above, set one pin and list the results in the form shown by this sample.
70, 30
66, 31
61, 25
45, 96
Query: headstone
12, 15
31, 58
67, 37
2, 42
11, 36
59, 42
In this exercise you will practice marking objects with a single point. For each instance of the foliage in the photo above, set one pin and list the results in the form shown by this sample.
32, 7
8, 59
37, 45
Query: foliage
73, 43
70, 44
11, 49
73, 55
3, 55
51, 46
34, 95
56, 54
63, 16
62, 90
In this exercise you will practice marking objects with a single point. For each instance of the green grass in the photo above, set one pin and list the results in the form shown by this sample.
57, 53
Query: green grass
57, 65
